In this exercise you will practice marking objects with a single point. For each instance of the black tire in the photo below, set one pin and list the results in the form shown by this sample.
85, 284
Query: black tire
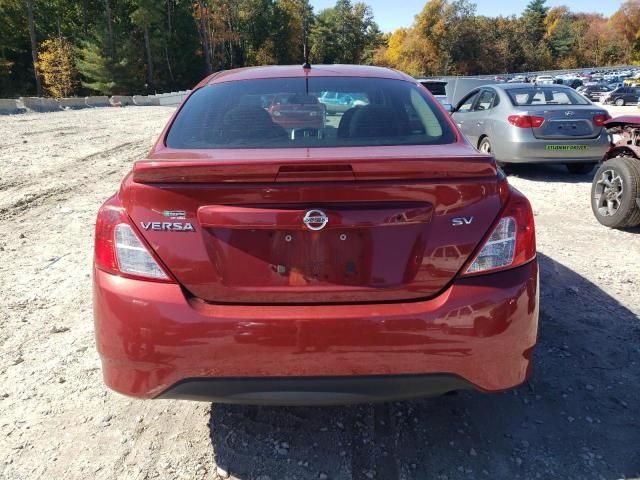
619, 102
485, 145
624, 171
580, 168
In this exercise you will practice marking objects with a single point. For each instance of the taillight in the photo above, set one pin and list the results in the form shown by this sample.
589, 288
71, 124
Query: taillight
525, 121
599, 120
512, 241
120, 250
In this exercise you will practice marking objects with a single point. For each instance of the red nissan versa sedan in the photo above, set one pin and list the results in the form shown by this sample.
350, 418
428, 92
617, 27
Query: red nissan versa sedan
377, 257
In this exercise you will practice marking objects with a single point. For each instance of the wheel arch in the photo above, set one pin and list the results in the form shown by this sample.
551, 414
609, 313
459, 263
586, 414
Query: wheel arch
621, 152
482, 137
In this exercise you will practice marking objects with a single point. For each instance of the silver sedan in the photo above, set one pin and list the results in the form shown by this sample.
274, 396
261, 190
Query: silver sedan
528, 123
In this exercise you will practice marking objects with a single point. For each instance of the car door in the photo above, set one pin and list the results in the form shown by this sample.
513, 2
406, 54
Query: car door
627, 94
481, 110
463, 114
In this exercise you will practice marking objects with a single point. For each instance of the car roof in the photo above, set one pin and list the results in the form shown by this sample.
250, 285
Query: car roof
511, 86
293, 71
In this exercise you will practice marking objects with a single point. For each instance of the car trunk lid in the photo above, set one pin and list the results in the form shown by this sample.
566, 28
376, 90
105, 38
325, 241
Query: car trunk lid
566, 123
319, 226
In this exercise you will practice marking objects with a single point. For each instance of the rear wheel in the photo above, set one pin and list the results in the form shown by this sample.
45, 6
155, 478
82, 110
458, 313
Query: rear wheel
615, 189
580, 168
485, 145
619, 102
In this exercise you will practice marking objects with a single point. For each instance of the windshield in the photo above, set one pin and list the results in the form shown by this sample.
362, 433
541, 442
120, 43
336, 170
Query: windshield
545, 96
318, 112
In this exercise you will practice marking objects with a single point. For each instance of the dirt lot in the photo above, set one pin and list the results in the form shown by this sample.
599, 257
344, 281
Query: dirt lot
578, 417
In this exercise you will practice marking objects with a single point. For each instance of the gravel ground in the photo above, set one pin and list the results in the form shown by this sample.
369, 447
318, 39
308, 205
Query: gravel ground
578, 417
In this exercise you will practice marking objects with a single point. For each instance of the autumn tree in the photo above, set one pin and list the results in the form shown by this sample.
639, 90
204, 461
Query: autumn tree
137, 46
626, 21
56, 65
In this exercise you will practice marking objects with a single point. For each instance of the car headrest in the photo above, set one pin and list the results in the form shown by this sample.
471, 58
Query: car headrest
373, 121
345, 122
248, 122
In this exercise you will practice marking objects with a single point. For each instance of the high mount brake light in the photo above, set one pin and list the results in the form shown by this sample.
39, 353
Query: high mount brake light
512, 241
120, 250
525, 121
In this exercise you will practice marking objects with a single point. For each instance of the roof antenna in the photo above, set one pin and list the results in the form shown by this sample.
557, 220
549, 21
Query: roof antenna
305, 40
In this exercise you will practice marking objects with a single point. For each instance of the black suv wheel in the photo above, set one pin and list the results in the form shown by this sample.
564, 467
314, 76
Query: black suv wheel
615, 192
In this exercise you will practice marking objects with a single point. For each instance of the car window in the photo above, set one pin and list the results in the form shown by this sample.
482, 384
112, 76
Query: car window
545, 95
377, 112
436, 88
467, 103
485, 100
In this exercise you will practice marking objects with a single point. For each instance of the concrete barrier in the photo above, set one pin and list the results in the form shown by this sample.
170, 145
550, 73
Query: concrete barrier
171, 98
99, 101
36, 104
10, 107
144, 101
121, 100
72, 103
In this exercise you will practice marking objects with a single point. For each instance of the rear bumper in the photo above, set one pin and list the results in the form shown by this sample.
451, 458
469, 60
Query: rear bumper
315, 390
155, 342
528, 149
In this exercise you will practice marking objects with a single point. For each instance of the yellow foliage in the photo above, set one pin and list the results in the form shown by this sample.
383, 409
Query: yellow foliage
56, 66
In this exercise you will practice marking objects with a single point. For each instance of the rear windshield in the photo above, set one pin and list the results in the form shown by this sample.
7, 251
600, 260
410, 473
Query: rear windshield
545, 96
318, 112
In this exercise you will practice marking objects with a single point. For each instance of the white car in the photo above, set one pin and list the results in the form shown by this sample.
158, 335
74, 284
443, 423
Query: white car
544, 80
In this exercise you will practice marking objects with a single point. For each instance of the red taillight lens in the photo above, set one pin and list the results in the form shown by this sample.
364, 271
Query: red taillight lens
525, 121
512, 241
599, 120
120, 250
105, 251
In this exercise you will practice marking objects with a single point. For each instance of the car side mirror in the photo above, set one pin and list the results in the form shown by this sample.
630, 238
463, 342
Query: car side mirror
449, 108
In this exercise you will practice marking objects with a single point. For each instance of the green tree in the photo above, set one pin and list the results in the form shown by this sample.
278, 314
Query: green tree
345, 33
147, 16
533, 20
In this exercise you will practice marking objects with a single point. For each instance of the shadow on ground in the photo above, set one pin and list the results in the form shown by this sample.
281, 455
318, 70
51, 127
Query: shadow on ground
577, 417
548, 173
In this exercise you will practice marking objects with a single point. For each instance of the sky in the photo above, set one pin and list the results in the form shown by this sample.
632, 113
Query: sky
391, 14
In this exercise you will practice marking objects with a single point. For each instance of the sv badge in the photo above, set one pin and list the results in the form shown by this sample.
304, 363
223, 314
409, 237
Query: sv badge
459, 221
168, 226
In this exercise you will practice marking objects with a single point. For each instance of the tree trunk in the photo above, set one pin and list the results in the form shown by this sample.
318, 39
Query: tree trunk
169, 28
166, 55
204, 37
168, 41
34, 45
107, 11
85, 15
147, 46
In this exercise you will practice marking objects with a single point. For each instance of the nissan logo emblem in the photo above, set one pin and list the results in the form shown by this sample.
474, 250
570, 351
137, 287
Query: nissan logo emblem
315, 219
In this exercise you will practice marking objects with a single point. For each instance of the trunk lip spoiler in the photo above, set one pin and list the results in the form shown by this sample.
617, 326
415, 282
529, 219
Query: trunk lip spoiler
273, 171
